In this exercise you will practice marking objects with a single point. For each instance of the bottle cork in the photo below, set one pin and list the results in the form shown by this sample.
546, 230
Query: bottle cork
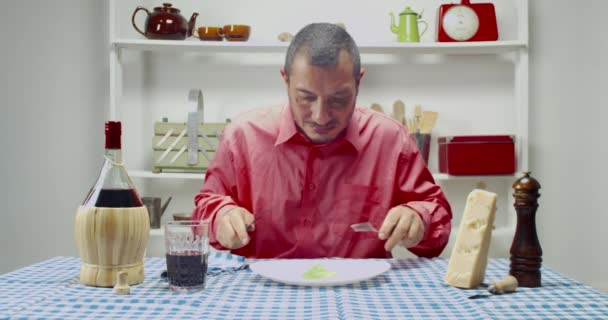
122, 284
506, 285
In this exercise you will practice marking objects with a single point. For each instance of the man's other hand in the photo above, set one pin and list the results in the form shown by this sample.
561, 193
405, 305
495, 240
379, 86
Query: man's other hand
231, 230
401, 225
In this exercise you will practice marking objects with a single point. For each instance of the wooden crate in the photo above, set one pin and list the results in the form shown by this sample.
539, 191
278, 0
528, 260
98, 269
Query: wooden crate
170, 146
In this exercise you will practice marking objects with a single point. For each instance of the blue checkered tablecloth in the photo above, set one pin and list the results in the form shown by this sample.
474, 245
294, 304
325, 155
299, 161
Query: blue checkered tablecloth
412, 289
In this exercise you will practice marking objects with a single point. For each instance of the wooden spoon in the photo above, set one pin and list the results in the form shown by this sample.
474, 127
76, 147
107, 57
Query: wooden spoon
429, 118
399, 111
377, 107
417, 117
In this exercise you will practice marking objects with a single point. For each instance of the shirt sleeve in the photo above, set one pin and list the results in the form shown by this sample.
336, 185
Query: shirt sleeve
219, 191
416, 188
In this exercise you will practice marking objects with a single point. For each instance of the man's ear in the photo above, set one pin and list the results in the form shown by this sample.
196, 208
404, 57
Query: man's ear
361, 74
285, 76
358, 80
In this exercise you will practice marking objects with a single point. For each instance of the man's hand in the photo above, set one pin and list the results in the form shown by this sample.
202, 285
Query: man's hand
232, 228
401, 225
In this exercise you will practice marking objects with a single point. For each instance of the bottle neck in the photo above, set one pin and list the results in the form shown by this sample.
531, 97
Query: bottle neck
115, 155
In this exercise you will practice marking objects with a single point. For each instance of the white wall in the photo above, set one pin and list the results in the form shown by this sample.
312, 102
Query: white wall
569, 154
53, 93
54, 83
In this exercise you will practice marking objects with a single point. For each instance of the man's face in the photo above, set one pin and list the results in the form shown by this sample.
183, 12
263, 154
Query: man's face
322, 99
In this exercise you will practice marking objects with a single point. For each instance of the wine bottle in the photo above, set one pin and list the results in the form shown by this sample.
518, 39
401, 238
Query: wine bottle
112, 225
114, 188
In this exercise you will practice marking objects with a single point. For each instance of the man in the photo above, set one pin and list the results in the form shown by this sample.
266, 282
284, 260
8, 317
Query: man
289, 181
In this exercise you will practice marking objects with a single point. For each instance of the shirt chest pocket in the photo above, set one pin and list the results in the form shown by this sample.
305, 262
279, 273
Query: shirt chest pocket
360, 203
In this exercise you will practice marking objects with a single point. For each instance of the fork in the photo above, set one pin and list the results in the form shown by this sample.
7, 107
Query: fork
363, 227
244, 266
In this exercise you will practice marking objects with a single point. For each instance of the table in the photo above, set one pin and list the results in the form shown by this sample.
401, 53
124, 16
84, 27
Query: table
412, 289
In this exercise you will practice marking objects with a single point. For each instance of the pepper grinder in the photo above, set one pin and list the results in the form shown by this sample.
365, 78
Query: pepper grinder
526, 254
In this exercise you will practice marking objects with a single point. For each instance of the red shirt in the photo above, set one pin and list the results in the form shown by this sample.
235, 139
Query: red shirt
305, 196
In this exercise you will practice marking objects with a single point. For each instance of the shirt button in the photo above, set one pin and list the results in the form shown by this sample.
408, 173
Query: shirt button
311, 186
306, 222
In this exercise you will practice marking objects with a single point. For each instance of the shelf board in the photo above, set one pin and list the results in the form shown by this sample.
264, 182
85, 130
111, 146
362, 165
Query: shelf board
201, 176
485, 47
447, 177
157, 232
165, 175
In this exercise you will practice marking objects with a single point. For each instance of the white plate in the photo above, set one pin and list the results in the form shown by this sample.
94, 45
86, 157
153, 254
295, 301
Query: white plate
291, 271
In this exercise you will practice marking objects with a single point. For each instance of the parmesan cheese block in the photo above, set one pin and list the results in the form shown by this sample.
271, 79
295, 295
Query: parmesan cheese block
467, 266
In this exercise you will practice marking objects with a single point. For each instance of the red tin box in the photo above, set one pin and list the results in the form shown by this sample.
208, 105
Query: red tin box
477, 155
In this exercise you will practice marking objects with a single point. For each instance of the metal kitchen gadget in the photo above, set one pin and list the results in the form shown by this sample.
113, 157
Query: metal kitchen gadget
155, 209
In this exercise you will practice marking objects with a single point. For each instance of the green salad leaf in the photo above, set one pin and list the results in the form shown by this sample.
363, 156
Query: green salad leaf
318, 272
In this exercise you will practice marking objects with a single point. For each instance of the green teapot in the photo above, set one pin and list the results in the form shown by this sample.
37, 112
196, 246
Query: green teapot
407, 31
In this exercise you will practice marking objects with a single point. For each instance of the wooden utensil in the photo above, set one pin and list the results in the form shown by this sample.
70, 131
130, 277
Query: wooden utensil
377, 107
429, 118
410, 125
417, 117
399, 111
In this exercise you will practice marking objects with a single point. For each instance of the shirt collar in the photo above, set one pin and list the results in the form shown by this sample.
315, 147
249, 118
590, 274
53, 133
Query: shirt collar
287, 126
353, 133
287, 129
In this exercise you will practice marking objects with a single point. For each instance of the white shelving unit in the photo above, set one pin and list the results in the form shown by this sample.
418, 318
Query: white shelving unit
516, 49
494, 47
157, 232
166, 175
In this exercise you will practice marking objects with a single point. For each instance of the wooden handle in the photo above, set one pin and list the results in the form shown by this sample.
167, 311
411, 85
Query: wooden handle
429, 118
377, 107
508, 284
417, 118
399, 111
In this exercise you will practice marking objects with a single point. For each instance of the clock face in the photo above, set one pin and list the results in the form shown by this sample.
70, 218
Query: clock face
460, 23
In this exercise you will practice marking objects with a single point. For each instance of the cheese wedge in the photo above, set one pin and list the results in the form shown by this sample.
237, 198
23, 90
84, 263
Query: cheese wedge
467, 265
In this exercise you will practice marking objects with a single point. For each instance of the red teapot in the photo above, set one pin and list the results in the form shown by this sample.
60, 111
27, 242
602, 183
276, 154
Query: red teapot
166, 23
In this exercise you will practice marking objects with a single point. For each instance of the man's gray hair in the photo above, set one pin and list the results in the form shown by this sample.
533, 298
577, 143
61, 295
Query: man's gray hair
322, 44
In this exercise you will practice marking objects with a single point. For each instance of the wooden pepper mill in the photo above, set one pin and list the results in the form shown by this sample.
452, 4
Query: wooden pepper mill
526, 254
